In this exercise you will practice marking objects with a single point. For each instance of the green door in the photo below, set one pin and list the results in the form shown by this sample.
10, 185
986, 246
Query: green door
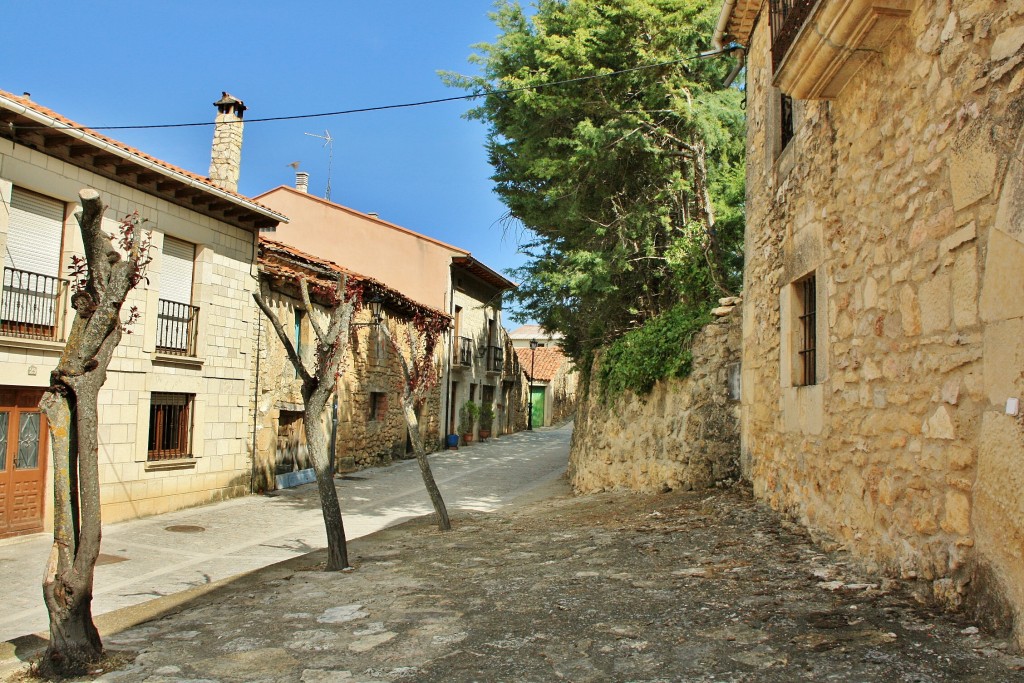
538, 406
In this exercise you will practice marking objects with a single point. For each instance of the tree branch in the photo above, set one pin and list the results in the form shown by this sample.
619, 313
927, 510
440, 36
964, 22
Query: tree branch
289, 347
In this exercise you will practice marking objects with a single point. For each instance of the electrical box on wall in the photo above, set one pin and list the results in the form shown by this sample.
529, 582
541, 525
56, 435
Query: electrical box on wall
1013, 406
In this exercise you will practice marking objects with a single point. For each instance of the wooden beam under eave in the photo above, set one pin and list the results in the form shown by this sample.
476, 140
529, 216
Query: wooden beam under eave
184, 192
51, 141
77, 151
166, 185
103, 160
201, 199
125, 170
147, 178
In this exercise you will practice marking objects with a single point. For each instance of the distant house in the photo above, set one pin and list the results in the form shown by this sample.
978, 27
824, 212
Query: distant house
173, 425
476, 366
883, 361
551, 375
366, 426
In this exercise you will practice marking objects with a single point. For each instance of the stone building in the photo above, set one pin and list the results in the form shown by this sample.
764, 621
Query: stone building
551, 375
173, 410
476, 365
883, 320
366, 426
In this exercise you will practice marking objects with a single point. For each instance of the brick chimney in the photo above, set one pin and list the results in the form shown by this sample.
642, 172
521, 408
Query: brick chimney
226, 155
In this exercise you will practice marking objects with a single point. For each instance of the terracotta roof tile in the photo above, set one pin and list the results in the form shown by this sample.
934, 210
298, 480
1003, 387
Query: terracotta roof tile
59, 118
287, 262
546, 361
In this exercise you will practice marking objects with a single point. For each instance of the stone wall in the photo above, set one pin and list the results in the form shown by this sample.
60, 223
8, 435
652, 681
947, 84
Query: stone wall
371, 366
683, 435
905, 196
216, 377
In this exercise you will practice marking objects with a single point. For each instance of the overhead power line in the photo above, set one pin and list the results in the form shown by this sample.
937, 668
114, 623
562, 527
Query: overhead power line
406, 105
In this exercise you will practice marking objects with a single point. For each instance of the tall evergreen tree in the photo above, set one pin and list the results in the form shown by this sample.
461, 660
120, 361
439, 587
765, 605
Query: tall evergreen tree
614, 174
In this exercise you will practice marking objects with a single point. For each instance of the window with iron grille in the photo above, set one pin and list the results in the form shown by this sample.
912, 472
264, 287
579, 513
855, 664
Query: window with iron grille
808, 344
170, 426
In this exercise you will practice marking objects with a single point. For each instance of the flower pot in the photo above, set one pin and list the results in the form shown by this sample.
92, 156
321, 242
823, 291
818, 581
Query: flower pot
467, 439
485, 434
453, 442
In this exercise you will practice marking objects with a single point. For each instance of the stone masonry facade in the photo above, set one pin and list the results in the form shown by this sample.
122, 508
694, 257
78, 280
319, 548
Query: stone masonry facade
683, 435
904, 196
216, 376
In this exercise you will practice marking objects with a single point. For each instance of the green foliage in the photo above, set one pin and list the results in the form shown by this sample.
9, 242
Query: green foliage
661, 348
627, 184
486, 416
467, 417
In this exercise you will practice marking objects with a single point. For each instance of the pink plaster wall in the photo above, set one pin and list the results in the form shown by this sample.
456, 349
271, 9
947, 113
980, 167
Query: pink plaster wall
414, 264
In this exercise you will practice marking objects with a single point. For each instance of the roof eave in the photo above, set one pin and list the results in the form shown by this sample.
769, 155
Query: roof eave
259, 216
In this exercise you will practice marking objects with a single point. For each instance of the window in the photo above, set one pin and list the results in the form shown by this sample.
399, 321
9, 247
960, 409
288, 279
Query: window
807, 347
785, 120
34, 295
170, 426
378, 405
177, 317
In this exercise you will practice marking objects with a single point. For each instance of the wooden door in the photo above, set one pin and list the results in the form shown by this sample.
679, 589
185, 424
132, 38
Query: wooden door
23, 456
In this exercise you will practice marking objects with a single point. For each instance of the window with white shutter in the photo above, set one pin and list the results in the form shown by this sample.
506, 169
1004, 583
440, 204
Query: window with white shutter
34, 233
176, 319
32, 304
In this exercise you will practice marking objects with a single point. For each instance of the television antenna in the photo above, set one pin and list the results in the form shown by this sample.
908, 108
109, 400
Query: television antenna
329, 143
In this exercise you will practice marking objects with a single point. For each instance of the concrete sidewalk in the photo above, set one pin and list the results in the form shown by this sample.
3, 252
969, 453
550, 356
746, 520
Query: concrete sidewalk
160, 556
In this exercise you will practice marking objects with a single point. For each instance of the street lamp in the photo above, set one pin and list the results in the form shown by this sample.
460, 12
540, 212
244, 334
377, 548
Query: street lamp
533, 365
376, 304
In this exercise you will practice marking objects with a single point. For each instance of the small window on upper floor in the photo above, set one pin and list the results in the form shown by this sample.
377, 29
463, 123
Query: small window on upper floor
378, 406
785, 120
34, 295
177, 318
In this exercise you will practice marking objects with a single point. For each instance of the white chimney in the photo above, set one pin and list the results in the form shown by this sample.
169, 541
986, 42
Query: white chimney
302, 181
226, 155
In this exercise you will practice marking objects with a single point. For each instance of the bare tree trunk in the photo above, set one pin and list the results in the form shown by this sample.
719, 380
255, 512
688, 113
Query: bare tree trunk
712, 252
70, 406
412, 423
330, 506
318, 384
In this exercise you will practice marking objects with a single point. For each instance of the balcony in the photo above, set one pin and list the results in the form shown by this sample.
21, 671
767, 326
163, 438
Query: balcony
33, 305
495, 359
176, 328
463, 351
818, 45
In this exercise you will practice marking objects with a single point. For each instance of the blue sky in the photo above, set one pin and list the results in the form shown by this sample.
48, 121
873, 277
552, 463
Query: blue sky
107, 63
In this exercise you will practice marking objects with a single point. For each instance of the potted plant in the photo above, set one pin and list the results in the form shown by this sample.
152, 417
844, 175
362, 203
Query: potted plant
486, 420
467, 418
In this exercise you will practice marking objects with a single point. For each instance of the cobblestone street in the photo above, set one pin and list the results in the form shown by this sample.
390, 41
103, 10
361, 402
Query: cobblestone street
704, 586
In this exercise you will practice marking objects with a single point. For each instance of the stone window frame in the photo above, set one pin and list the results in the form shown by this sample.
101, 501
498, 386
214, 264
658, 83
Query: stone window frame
806, 290
780, 155
378, 406
793, 333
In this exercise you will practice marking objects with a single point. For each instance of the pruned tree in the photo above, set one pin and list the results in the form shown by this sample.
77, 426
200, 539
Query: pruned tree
419, 376
319, 379
101, 283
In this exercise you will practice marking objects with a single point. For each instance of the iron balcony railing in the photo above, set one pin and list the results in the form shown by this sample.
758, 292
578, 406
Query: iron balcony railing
176, 328
463, 353
33, 305
495, 359
786, 19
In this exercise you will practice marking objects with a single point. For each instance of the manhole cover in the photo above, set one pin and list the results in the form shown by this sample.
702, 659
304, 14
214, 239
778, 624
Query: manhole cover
185, 528
109, 559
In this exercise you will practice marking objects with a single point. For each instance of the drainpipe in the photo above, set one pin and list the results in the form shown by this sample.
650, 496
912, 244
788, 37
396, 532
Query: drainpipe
255, 400
723, 20
448, 360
